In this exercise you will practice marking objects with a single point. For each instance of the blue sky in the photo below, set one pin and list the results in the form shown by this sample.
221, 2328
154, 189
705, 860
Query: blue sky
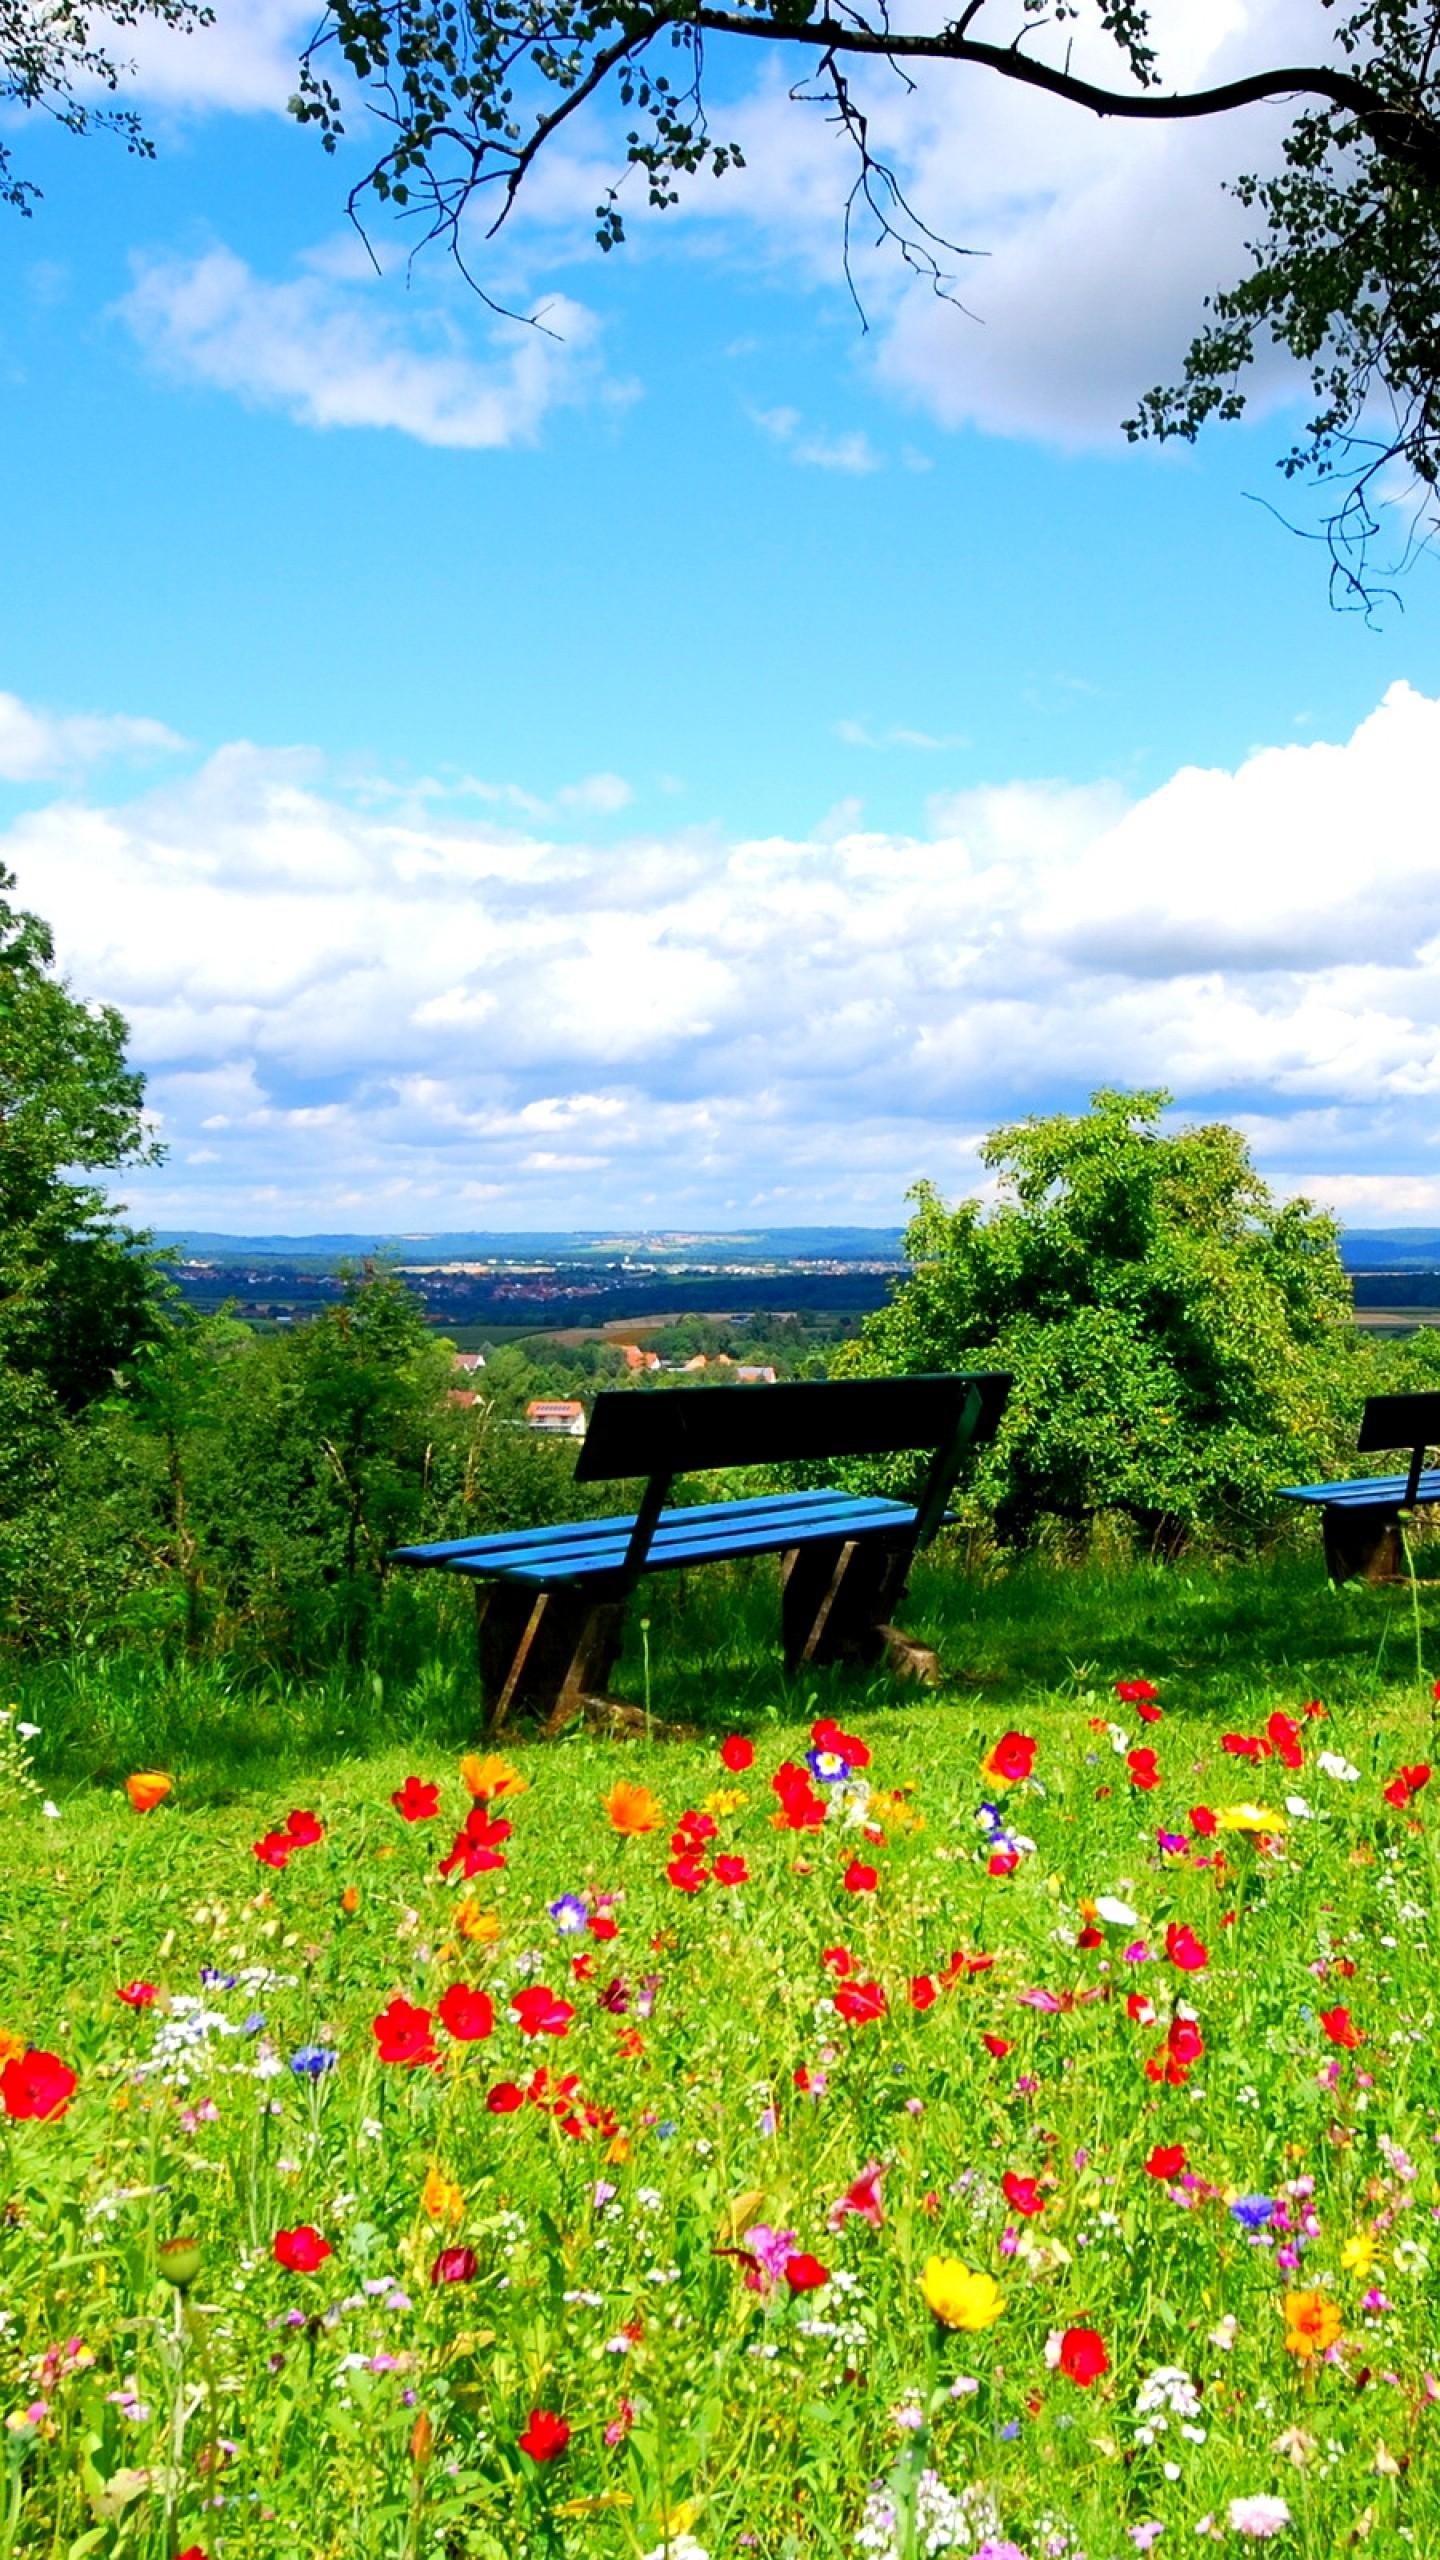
710, 764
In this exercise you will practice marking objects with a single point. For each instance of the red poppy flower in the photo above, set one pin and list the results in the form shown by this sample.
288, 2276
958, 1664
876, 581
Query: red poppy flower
303, 1828
193, 2551
1185, 2040
922, 1991
1143, 1766
603, 1924
301, 2250
826, 1735
728, 1870
505, 2098
546, 2436
455, 2266
136, 1995
800, 1807
692, 1831
1166, 2160
839, 1961
1082, 2356
1136, 1693
276, 1849
687, 1874
1021, 2194
858, 2003
737, 1753
477, 1848
1283, 1734
858, 1878
1202, 1821
1139, 2009
1245, 1746
862, 2199
417, 1801
465, 2014
1012, 1757
998, 2046
1407, 1784
1341, 2029
1189, 1953
538, 2012
1090, 1936
804, 2274
1002, 1862
36, 2086
403, 2033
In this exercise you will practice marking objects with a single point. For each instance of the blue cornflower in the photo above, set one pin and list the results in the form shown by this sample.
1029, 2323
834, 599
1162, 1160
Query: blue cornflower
253, 2025
1253, 2212
214, 1980
312, 2061
569, 1915
830, 1767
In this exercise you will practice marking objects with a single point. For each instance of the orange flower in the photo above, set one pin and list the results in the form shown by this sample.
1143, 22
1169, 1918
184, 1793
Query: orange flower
482, 1928
350, 1898
147, 1788
490, 1776
11, 2046
1311, 2323
632, 1809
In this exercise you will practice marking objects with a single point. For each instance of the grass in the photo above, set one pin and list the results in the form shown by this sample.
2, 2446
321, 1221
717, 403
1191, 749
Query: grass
1220, 1636
565, 2221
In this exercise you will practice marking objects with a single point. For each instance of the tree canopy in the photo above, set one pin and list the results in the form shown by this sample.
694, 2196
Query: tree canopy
1345, 259
1177, 1337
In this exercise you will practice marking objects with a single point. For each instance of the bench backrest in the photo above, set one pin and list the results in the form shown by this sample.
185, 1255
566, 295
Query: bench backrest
674, 1431
1402, 1422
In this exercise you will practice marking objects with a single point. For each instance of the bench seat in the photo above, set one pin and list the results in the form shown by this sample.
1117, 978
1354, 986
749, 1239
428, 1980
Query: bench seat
580, 1551
1361, 1492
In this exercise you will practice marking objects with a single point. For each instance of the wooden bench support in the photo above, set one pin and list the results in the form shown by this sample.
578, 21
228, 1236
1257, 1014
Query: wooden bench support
542, 1654
837, 1600
1362, 1540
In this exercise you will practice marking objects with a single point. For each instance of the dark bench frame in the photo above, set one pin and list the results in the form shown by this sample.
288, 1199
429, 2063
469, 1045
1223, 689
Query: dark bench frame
551, 1602
1360, 1515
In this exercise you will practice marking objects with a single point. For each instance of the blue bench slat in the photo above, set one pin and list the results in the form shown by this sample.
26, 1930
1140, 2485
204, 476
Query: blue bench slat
579, 1557
750, 1542
1352, 1492
619, 1524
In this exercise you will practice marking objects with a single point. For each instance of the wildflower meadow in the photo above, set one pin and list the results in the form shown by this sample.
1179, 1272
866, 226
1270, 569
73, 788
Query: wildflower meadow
942, 2137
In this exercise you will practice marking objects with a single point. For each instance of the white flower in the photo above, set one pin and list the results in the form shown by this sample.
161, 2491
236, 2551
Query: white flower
27, 1732
1259, 2517
1335, 1765
1117, 1915
50, 1811
1297, 1806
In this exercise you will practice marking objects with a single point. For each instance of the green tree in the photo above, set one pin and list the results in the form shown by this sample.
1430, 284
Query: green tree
51, 64
1346, 260
1178, 1338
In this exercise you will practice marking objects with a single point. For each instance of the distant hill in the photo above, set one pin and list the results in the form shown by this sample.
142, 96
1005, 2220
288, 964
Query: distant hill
674, 1247
1391, 1248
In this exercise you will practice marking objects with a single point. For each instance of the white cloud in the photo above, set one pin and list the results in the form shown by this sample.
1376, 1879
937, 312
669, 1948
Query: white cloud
42, 746
851, 451
332, 353
354, 1011
247, 61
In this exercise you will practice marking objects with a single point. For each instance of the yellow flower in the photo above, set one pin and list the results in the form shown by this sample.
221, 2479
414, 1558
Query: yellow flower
1249, 1817
632, 1809
482, 1928
1311, 2323
147, 1788
1358, 2255
490, 1776
959, 2299
723, 1800
11, 2045
892, 1810
440, 2199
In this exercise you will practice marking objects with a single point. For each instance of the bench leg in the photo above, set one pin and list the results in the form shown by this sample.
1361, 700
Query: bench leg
542, 1653
1362, 1539
837, 1602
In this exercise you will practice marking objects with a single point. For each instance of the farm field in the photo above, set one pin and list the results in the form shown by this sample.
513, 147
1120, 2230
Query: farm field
1000, 2123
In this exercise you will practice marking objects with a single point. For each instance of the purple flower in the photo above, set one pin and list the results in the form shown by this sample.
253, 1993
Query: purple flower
569, 1915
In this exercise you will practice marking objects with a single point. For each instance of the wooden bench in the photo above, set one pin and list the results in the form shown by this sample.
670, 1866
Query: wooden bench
552, 1601
1360, 1516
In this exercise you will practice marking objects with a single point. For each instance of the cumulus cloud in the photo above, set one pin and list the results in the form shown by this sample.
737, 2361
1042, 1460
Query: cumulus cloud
352, 1011
245, 62
42, 746
332, 353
